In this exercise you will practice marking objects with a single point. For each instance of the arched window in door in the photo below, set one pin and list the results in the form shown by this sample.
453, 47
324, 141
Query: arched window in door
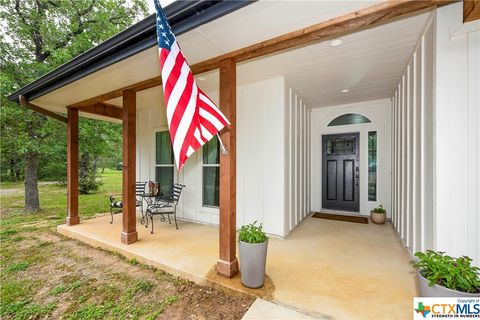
348, 118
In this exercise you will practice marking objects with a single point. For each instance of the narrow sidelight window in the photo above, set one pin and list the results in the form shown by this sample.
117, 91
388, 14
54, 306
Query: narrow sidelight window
211, 174
372, 166
164, 163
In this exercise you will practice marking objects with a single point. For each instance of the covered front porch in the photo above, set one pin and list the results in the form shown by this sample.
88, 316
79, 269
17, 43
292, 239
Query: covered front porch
326, 269
121, 82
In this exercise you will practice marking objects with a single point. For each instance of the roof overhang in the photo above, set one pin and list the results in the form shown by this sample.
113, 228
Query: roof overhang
270, 49
183, 17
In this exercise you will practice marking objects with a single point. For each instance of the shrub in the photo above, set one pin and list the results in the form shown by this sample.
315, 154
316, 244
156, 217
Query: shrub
380, 209
252, 234
452, 273
89, 183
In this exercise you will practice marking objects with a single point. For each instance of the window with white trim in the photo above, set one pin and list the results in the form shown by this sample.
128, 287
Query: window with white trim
164, 162
211, 174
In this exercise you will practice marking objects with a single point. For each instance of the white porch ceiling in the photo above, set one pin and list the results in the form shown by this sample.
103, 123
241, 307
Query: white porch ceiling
368, 63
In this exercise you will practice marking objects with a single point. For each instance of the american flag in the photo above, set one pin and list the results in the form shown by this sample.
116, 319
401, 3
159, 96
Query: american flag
193, 119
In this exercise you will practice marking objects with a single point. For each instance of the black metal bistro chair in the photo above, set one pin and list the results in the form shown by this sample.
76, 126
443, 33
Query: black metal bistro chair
139, 192
165, 206
117, 206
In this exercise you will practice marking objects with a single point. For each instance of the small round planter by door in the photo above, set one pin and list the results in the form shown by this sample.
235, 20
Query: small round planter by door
378, 218
253, 258
439, 291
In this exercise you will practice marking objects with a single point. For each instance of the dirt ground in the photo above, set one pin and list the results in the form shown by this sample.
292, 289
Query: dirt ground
45, 275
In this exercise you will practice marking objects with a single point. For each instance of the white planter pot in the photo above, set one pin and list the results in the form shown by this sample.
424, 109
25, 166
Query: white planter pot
253, 258
439, 291
378, 218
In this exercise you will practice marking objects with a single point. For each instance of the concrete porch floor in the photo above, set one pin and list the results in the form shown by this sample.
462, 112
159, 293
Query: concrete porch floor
326, 269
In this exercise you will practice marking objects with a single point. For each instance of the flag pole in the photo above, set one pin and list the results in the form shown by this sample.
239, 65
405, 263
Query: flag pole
223, 149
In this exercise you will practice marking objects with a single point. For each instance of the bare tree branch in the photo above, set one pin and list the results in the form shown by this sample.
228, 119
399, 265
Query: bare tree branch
19, 13
78, 30
33, 29
87, 10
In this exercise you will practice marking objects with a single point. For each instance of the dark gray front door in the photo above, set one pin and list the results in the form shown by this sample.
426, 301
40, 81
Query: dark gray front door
340, 185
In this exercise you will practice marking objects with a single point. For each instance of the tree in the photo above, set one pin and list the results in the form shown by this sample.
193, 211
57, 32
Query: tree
98, 140
40, 35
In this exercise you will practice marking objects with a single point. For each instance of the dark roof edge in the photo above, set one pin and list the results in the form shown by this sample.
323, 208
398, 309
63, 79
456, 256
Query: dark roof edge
183, 17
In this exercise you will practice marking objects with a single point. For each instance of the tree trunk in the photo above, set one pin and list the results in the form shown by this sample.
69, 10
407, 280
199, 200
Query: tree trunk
12, 170
84, 165
32, 203
18, 173
95, 162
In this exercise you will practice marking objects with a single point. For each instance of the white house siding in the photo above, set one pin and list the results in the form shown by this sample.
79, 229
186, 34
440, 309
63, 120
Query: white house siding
436, 138
378, 111
149, 121
260, 158
297, 159
261, 154
412, 145
457, 137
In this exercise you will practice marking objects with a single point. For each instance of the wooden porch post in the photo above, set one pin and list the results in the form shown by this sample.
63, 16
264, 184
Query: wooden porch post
72, 167
227, 264
129, 221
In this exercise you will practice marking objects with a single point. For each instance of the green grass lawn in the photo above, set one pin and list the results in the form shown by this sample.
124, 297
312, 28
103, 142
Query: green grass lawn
47, 276
53, 197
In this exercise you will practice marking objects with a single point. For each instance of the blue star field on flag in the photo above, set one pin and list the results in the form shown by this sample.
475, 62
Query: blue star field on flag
165, 34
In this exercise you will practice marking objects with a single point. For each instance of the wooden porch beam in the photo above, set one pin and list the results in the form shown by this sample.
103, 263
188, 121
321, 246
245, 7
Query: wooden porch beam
129, 216
139, 86
24, 102
103, 109
72, 167
227, 264
339, 26
471, 10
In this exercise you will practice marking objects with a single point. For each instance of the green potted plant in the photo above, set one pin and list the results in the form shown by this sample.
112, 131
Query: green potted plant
378, 215
253, 255
440, 275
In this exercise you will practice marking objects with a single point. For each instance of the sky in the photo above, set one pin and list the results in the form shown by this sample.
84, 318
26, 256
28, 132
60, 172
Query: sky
163, 3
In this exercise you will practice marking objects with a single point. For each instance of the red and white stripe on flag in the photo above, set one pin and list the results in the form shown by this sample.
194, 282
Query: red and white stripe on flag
193, 119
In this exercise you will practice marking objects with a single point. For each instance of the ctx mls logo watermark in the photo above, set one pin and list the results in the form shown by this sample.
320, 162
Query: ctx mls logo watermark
453, 308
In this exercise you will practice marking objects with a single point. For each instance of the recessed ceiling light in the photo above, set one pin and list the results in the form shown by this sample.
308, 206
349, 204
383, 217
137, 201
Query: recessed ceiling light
336, 42
344, 90
201, 78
